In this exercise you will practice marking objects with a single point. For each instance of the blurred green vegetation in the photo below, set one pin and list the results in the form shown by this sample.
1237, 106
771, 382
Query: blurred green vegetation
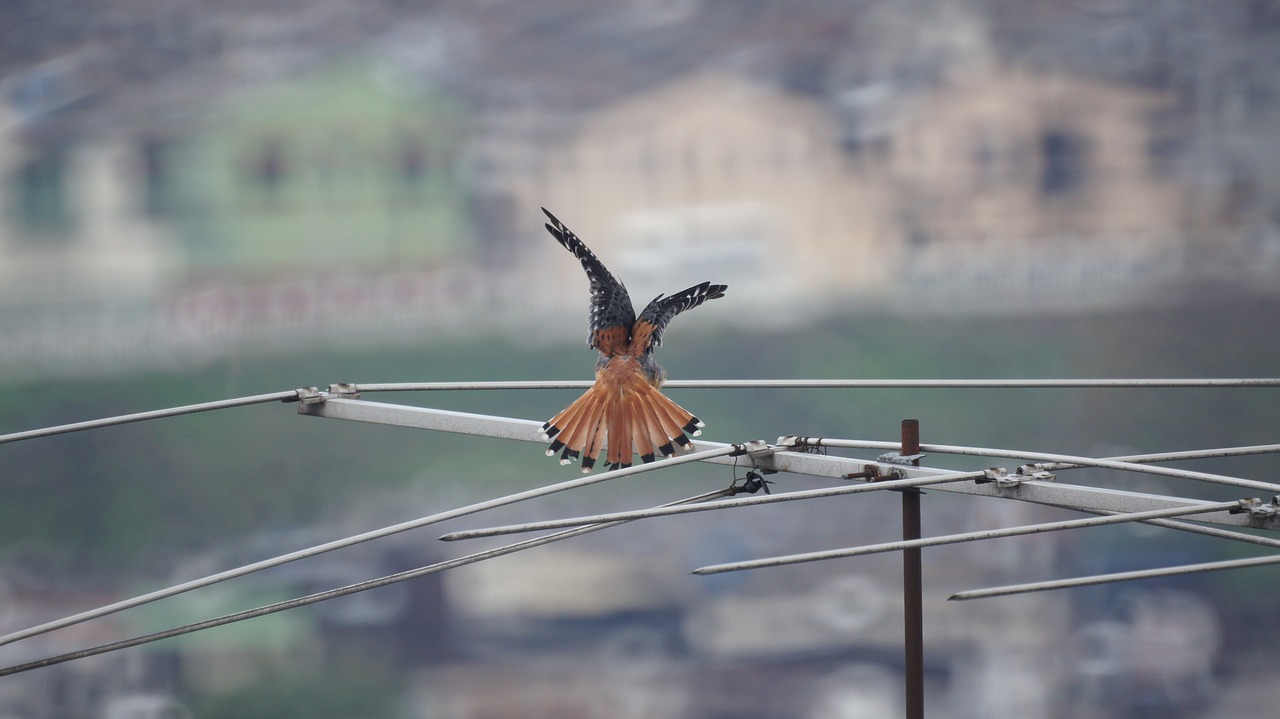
340, 166
353, 690
135, 495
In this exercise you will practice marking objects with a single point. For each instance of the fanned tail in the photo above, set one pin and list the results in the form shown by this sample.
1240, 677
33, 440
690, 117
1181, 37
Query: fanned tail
627, 419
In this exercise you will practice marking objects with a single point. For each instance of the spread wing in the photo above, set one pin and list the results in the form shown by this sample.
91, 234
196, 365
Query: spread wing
659, 312
611, 315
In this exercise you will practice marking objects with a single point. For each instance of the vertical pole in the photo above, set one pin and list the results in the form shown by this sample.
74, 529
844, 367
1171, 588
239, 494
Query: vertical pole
912, 584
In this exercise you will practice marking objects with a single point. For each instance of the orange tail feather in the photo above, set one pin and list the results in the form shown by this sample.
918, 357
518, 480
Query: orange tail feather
648, 432
620, 416
570, 429
619, 431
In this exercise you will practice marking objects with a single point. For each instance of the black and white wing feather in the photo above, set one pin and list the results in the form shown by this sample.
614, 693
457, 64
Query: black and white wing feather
611, 314
662, 309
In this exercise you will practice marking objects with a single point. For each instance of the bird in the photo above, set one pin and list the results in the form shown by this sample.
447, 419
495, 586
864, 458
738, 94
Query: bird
624, 410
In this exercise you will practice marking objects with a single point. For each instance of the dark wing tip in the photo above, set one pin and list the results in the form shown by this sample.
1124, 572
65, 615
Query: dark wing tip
567, 455
557, 229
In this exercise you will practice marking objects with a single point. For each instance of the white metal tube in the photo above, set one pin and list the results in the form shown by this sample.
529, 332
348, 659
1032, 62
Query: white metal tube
1057, 494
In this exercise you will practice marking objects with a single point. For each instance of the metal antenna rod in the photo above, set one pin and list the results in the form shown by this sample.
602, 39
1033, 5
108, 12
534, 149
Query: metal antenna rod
726, 504
827, 384
971, 537
295, 394
1115, 577
937, 480
788, 456
286, 396
1208, 531
364, 537
1064, 459
323, 596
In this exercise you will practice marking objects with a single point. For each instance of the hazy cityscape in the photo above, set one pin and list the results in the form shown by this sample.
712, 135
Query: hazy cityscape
203, 201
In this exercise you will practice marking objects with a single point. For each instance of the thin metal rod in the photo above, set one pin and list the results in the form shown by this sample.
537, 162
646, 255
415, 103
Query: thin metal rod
912, 607
928, 481
828, 384
1059, 458
912, 583
964, 537
328, 594
1181, 455
1114, 577
286, 396
357, 539
1209, 531
933, 480
726, 504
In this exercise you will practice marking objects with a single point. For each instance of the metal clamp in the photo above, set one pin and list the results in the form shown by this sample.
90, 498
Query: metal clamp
898, 458
345, 390
758, 449
311, 395
790, 441
1036, 472
873, 473
1258, 510
1001, 477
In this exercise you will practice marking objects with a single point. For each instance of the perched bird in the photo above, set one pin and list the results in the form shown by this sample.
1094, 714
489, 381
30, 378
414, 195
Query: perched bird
623, 410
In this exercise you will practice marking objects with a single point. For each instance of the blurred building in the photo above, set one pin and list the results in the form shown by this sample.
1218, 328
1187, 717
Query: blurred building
243, 185
711, 175
1038, 187
992, 185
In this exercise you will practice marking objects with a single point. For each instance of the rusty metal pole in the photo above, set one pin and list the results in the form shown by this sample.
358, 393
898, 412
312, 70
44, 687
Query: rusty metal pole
912, 583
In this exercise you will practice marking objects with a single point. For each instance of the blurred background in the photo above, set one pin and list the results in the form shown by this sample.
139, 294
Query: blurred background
209, 200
